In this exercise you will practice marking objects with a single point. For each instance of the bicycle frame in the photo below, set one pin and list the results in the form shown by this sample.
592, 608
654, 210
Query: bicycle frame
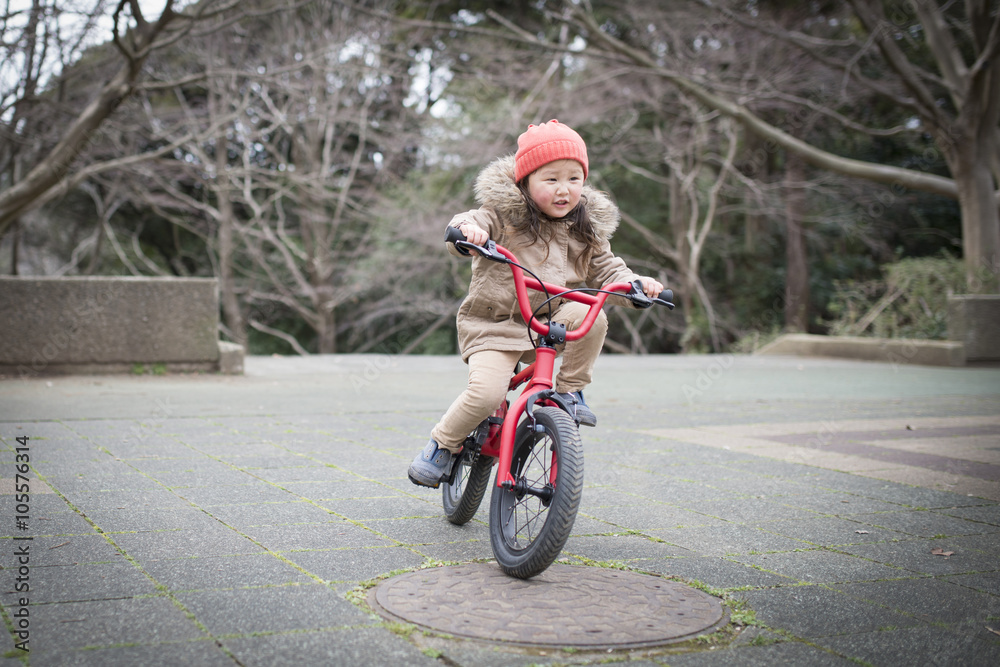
540, 374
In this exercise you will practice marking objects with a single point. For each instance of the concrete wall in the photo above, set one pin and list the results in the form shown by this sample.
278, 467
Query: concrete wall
889, 350
59, 325
974, 320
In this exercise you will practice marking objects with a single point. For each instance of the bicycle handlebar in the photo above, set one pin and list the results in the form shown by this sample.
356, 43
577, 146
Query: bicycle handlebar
632, 291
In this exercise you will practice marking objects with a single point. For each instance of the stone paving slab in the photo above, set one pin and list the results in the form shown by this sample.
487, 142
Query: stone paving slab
231, 572
354, 646
80, 583
271, 609
200, 519
952, 453
108, 622
205, 653
788, 654
915, 646
712, 571
793, 608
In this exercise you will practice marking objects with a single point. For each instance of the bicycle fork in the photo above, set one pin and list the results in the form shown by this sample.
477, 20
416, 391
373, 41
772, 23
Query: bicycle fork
545, 358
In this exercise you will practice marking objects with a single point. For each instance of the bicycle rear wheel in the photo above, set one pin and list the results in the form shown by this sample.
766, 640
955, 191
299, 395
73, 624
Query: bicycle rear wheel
462, 495
530, 523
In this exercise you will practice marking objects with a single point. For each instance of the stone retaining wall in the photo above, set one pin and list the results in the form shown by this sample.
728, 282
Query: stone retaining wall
890, 350
104, 324
974, 321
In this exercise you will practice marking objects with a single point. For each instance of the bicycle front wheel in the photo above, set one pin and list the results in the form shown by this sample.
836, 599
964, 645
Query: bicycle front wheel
530, 523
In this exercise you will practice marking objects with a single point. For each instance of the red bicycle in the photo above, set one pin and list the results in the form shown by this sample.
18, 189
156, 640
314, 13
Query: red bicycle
536, 440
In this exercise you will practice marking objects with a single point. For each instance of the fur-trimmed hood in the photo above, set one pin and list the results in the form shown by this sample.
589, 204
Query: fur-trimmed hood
495, 189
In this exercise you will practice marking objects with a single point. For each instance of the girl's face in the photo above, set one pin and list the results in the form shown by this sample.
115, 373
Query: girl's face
556, 187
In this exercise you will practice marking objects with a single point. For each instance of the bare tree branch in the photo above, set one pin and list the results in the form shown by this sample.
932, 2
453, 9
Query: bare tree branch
259, 326
879, 173
50, 170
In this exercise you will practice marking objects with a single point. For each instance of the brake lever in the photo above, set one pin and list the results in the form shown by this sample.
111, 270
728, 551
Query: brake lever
489, 250
638, 297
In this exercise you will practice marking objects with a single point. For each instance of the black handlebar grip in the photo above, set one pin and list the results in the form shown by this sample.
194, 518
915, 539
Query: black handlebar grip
666, 298
453, 234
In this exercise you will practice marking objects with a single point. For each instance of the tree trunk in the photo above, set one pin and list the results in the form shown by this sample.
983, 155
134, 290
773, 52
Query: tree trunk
227, 285
677, 218
15, 243
971, 159
980, 222
797, 267
326, 334
95, 255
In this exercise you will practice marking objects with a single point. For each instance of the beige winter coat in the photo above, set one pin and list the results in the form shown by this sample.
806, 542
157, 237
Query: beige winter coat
489, 318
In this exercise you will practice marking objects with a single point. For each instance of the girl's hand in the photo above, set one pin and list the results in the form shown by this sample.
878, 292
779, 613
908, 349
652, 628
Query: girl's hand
477, 235
651, 287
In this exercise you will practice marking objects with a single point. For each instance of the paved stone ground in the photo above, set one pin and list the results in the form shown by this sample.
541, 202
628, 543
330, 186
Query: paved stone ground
223, 520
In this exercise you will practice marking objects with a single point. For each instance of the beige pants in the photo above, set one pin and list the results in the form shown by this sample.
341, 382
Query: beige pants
490, 372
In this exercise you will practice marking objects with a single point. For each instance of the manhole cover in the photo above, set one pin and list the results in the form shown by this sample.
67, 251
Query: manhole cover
565, 606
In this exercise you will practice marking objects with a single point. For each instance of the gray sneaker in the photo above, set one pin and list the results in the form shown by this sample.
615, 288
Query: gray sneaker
431, 466
584, 415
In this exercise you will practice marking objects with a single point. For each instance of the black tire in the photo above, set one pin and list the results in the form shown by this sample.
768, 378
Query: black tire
528, 532
462, 496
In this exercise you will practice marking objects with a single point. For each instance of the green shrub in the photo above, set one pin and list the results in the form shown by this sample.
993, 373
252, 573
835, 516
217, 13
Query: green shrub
910, 301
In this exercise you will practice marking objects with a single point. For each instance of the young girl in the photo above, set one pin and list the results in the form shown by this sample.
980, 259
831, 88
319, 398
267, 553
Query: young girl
535, 204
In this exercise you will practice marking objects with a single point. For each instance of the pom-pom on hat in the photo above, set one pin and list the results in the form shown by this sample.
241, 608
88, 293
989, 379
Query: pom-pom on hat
548, 142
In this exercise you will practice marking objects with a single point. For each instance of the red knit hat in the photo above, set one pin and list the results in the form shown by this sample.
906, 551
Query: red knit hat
548, 142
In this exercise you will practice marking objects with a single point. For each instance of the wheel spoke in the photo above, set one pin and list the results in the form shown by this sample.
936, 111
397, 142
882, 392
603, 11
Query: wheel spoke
531, 519
529, 512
